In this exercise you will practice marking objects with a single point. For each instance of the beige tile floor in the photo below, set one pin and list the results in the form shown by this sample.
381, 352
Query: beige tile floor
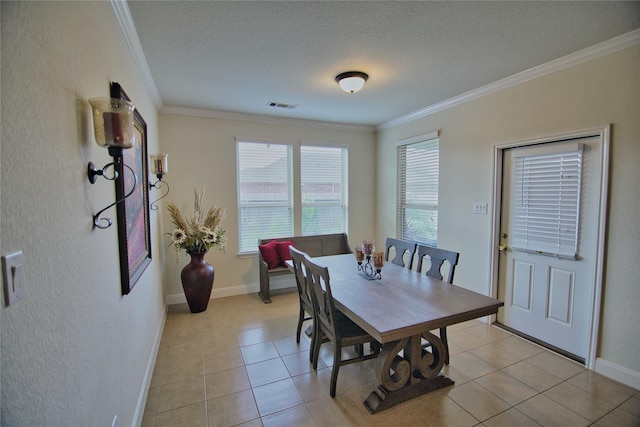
238, 364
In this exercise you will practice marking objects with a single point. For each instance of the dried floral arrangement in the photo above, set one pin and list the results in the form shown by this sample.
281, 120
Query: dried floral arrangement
200, 232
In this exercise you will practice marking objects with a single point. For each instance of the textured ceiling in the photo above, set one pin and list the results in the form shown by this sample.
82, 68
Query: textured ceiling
238, 56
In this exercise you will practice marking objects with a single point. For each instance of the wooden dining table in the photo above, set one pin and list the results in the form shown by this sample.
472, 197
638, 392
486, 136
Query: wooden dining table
399, 310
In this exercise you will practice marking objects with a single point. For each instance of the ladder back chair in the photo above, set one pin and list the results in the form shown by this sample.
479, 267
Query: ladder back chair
437, 258
304, 292
334, 325
401, 247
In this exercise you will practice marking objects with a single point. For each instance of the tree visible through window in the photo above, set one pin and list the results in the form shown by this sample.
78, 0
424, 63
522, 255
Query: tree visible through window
417, 205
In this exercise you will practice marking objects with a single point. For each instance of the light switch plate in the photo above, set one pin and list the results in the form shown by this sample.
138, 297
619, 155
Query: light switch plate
479, 208
13, 274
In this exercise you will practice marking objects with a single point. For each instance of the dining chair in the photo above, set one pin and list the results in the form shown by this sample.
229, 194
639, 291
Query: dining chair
334, 325
437, 258
401, 247
304, 293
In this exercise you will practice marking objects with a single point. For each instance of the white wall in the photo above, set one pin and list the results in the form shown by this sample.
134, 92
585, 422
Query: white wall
74, 352
202, 154
596, 93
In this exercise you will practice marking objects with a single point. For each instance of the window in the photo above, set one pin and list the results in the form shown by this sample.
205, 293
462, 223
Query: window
547, 203
417, 205
266, 188
265, 194
323, 180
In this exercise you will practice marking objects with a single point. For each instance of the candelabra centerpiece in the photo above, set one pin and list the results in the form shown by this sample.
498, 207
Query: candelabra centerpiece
364, 255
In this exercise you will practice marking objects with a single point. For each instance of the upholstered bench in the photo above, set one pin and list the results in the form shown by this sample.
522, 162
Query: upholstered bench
314, 246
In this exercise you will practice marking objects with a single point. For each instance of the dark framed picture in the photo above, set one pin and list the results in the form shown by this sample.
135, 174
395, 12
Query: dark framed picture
134, 231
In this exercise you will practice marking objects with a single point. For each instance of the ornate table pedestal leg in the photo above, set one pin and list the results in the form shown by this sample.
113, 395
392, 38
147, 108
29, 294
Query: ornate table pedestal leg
405, 377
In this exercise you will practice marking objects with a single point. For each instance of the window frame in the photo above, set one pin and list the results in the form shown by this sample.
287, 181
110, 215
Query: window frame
296, 205
401, 186
344, 197
289, 204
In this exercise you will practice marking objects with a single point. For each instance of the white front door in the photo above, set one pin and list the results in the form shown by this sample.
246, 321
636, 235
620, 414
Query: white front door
550, 297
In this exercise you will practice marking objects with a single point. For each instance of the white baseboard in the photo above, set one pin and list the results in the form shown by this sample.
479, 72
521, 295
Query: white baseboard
215, 293
275, 283
619, 373
151, 363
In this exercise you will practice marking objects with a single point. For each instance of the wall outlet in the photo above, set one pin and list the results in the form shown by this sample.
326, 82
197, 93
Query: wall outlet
479, 208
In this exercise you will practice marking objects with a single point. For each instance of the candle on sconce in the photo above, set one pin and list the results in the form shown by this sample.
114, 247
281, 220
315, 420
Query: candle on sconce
367, 246
359, 254
160, 164
113, 131
113, 122
159, 167
378, 260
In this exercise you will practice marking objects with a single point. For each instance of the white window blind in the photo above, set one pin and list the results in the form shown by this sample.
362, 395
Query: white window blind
324, 182
265, 201
547, 203
417, 204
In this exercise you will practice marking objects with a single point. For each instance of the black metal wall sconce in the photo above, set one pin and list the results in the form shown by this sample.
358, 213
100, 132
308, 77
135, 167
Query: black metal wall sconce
114, 129
159, 167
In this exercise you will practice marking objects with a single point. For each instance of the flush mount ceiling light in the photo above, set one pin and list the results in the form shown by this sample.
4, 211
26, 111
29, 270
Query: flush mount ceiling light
351, 81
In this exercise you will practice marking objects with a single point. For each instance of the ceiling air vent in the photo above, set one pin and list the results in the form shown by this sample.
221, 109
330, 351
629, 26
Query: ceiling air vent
282, 105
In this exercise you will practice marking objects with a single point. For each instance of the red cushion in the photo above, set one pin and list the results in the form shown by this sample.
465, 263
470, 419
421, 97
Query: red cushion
270, 254
283, 251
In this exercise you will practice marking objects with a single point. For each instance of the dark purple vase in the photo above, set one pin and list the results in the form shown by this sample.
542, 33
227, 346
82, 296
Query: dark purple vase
197, 281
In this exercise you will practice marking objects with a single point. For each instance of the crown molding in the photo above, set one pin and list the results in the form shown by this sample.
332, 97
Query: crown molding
274, 120
610, 46
128, 28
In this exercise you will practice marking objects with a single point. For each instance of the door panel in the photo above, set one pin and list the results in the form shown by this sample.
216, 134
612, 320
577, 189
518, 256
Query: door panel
560, 295
522, 285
